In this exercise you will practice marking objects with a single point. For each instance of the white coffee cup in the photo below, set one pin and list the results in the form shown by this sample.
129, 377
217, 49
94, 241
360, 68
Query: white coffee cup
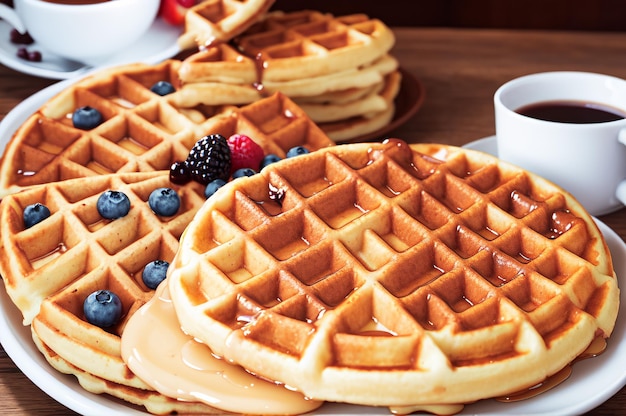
587, 160
88, 33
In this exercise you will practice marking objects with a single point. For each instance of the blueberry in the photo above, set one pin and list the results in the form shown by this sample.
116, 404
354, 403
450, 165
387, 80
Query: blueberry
213, 186
86, 118
162, 88
34, 214
102, 308
268, 160
164, 201
239, 173
297, 151
113, 204
154, 273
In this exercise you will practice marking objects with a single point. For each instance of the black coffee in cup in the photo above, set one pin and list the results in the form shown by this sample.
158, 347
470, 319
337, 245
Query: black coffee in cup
577, 112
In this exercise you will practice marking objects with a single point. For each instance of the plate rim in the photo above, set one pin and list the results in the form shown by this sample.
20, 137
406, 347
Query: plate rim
65, 389
159, 26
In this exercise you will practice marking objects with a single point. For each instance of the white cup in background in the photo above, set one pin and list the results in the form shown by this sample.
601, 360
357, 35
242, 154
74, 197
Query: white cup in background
88, 33
586, 159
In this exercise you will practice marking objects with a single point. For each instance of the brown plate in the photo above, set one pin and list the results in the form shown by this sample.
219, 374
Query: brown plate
409, 99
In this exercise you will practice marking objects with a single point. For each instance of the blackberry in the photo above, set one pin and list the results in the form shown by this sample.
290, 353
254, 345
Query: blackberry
209, 159
179, 173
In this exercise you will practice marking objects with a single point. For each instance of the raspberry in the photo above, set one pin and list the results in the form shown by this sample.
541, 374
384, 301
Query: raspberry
245, 153
209, 159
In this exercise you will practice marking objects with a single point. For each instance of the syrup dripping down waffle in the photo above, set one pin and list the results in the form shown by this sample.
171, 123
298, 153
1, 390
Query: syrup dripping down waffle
395, 275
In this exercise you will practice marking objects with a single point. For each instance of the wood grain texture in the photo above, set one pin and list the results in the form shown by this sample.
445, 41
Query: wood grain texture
603, 15
460, 70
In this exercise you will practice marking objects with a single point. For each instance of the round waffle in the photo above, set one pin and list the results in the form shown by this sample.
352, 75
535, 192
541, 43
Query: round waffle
50, 268
212, 21
395, 275
141, 131
296, 45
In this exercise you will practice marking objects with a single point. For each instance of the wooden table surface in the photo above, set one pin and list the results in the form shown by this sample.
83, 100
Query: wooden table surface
460, 69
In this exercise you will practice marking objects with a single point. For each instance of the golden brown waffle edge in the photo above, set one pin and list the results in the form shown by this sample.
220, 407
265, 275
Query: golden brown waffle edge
444, 268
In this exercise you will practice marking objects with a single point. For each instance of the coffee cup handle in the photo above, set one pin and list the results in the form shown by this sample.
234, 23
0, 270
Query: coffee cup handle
620, 193
7, 13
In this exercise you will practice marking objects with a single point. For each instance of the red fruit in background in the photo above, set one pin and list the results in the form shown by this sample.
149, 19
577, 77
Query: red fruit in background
244, 153
173, 11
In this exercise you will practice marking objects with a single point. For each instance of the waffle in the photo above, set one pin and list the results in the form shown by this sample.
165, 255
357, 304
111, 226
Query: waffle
309, 56
212, 21
302, 44
395, 275
142, 131
209, 69
50, 268
365, 122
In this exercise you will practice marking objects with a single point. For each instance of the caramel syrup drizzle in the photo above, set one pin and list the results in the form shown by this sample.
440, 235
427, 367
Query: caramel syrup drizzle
260, 63
597, 347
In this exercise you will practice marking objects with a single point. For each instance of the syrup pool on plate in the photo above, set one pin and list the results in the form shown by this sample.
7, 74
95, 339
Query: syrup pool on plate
174, 364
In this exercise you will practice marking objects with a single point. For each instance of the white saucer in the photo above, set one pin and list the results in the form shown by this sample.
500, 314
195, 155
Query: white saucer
159, 43
487, 145
490, 145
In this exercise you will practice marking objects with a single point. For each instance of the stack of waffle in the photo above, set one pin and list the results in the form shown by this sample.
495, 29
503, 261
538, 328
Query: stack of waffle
216, 21
49, 268
337, 68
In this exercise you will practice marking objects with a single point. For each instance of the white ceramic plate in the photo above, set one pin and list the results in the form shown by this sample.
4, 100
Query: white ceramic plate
159, 43
592, 382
